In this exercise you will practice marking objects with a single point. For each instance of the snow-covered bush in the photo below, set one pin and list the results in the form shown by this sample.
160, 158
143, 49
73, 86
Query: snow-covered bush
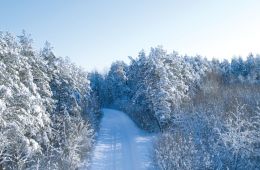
175, 151
240, 135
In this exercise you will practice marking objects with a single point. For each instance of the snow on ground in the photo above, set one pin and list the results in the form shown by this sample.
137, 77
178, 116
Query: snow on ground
121, 145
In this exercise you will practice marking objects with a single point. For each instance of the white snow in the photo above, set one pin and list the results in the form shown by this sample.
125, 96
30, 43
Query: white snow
121, 144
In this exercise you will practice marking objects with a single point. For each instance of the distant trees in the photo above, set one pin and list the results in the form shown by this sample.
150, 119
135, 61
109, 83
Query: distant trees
116, 83
45, 103
152, 86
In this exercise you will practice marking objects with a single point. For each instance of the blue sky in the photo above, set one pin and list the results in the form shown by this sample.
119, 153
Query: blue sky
95, 33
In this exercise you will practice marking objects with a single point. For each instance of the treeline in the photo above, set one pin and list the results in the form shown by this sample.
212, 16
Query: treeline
48, 112
208, 112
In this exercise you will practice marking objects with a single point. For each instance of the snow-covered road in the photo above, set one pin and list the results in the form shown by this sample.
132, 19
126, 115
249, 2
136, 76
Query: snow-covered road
121, 145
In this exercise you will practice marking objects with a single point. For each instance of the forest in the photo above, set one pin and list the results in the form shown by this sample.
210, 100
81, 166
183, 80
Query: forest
48, 111
206, 112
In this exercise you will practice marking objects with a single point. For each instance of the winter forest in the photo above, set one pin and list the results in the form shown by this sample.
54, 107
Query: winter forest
204, 114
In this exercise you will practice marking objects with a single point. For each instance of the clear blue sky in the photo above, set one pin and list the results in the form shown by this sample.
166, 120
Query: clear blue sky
93, 33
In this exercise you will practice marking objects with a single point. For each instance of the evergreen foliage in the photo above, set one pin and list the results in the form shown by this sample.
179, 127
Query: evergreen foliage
45, 108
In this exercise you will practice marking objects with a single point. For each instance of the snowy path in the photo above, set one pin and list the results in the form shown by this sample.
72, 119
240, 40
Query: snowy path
121, 145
